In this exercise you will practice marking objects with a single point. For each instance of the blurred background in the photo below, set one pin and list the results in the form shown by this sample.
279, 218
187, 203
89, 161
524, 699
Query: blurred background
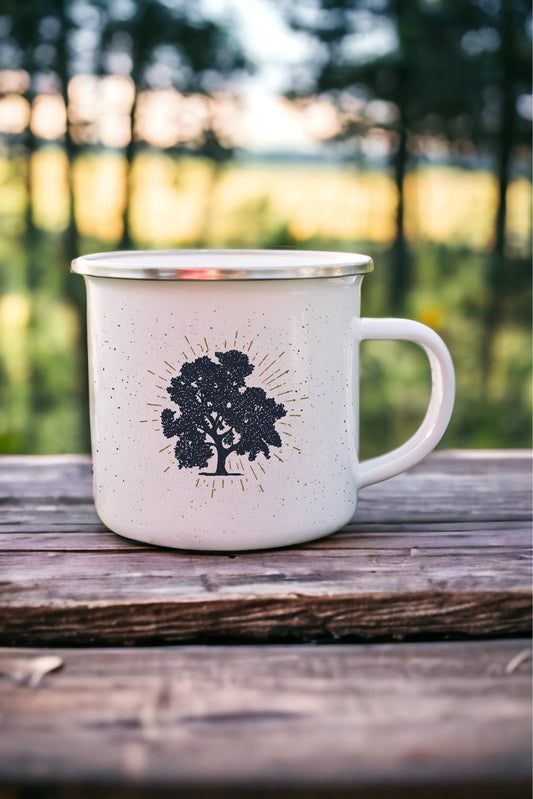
398, 128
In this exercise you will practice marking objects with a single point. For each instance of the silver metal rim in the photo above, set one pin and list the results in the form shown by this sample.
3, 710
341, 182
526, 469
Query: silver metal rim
191, 264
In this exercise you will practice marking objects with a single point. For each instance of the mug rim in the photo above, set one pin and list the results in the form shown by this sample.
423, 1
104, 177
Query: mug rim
221, 264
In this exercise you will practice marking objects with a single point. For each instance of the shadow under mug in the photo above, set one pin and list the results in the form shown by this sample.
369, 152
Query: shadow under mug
224, 392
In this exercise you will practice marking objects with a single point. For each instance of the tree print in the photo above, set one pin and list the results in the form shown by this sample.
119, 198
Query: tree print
219, 414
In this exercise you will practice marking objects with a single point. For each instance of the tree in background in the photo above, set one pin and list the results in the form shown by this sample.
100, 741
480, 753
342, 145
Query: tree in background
499, 52
53, 40
447, 68
163, 45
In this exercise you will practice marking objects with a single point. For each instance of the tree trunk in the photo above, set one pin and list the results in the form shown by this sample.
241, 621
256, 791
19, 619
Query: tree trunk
221, 461
400, 257
126, 240
221, 470
32, 238
496, 264
401, 278
74, 290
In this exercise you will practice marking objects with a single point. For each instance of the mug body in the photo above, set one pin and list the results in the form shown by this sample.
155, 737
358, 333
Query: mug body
224, 412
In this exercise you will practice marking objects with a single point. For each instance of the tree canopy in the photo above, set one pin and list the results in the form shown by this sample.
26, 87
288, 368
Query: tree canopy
456, 70
219, 414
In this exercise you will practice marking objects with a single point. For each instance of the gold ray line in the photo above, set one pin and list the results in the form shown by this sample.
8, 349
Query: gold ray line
241, 466
271, 377
278, 386
169, 364
150, 371
236, 334
297, 449
166, 470
268, 367
157, 429
250, 345
292, 400
242, 484
155, 420
206, 345
287, 424
295, 414
264, 359
222, 482
304, 397
164, 448
161, 387
197, 482
142, 421
254, 474
213, 489
201, 347
261, 467
261, 487
287, 434
281, 393
225, 344
168, 370
155, 404
162, 378
229, 463
273, 362
278, 377
279, 459
185, 355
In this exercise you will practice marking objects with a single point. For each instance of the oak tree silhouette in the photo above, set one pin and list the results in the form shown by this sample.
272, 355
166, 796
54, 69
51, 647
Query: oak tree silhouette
219, 414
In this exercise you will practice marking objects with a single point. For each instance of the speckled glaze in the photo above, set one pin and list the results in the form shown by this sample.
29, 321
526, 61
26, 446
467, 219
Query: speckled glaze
301, 339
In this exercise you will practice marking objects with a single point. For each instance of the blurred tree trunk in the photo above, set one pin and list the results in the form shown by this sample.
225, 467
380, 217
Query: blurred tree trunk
401, 261
400, 280
129, 154
32, 240
74, 288
496, 284
30, 229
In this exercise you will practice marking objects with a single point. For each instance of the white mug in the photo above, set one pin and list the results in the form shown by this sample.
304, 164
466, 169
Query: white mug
225, 394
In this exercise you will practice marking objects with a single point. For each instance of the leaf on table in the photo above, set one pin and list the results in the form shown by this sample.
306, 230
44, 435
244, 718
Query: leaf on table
30, 671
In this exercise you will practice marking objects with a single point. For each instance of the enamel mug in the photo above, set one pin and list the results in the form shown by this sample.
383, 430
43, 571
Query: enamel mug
225, 394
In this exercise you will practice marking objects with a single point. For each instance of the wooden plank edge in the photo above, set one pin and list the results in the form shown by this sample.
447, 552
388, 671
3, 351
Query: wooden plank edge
515, 786
296, 618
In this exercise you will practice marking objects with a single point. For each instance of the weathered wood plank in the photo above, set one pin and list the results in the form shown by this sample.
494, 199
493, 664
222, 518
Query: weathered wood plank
374, 537
386, 575
448, 486
435, 719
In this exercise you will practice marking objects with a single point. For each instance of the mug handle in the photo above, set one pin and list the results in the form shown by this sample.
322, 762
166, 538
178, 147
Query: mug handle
440, 405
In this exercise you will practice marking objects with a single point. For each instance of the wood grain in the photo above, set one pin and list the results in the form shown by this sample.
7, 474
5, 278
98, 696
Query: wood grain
437, 719
443, 550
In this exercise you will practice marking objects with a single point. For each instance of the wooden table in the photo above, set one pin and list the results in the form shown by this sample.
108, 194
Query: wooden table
389, 660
